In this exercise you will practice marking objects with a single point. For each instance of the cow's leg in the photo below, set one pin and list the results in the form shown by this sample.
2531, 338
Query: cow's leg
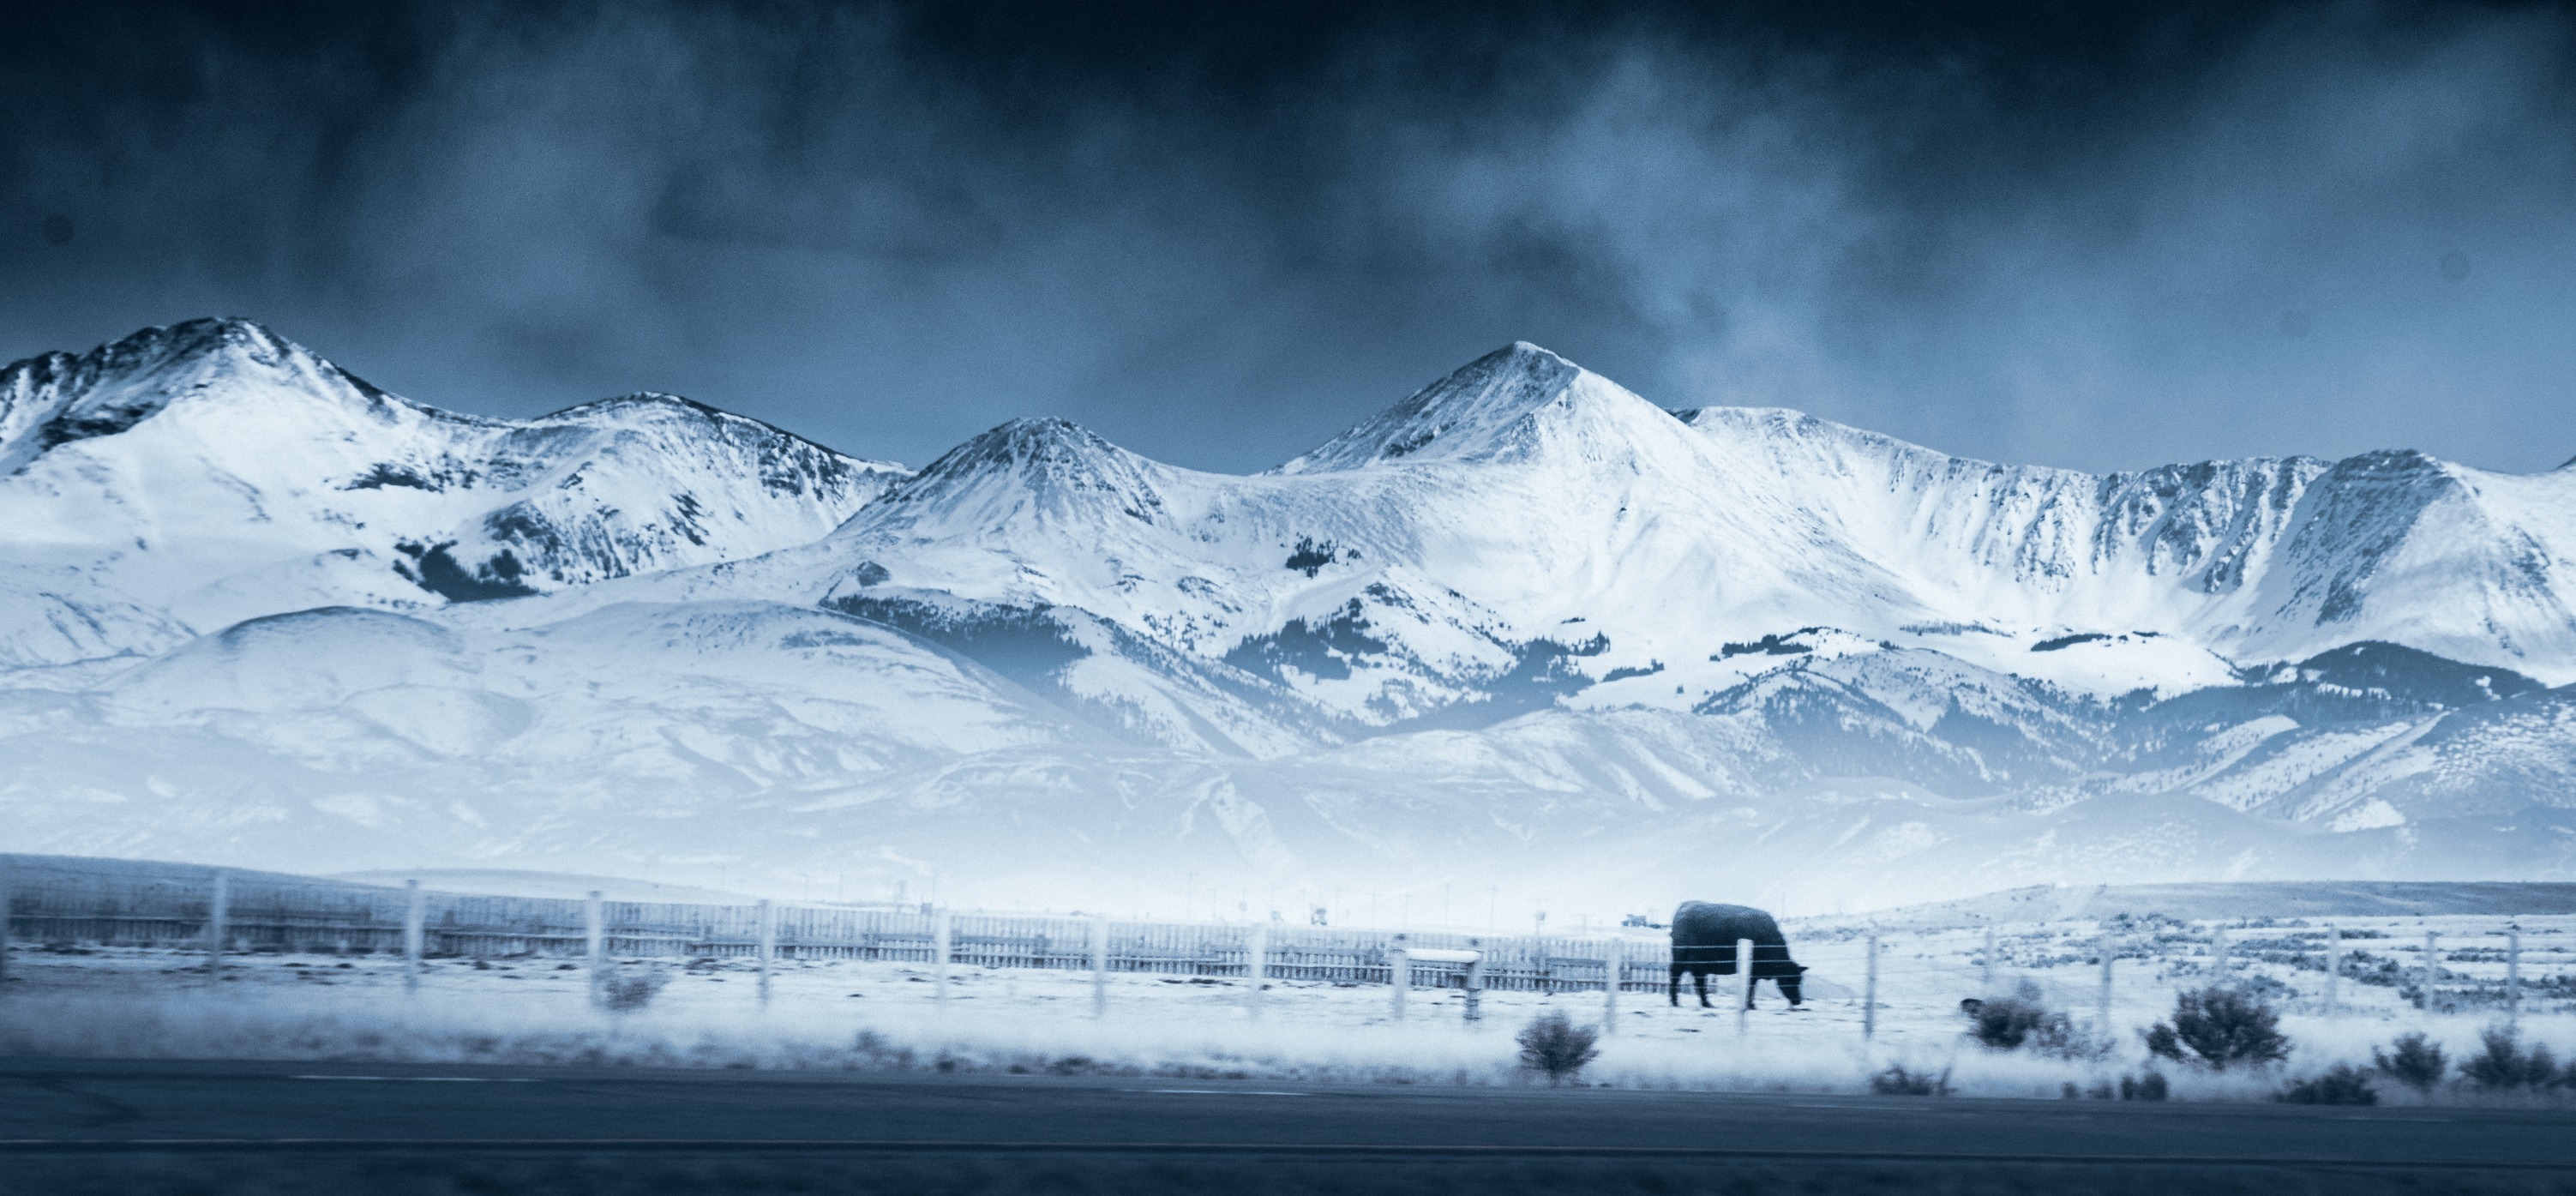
1673, 991
1699, 979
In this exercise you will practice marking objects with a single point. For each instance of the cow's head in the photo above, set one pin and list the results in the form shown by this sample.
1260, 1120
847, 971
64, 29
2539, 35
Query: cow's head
1789, 983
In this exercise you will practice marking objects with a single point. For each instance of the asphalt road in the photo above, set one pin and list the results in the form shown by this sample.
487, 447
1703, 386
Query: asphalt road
111, 1107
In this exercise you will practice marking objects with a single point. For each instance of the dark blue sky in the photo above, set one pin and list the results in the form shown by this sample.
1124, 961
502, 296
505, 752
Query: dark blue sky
1218, 234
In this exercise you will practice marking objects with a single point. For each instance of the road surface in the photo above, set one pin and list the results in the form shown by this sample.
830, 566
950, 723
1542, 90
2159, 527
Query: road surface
85, 1116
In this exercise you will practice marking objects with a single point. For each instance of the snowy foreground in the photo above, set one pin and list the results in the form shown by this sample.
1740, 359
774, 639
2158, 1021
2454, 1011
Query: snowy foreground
70, 1001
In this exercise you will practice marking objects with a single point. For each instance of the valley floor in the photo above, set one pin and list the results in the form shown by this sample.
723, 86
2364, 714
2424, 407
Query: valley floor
71, 1000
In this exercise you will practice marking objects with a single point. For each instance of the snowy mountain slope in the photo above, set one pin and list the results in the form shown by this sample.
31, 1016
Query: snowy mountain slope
777, 740
1522, 629
748, 737
2399, 547
374, 734
190, 476
1376, 595
2258, 559
1524, 529
1526, 514
2020, 543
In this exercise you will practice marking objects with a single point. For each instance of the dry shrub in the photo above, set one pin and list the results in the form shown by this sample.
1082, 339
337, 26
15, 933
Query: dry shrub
2024, 1020
2222, 1028
1556, 1046
627, 992
2501, 1065
2412, 1061
1898, 1080
2343, 1084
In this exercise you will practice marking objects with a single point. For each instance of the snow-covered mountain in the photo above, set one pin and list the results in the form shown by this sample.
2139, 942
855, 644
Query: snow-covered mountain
1523, 629
188, 477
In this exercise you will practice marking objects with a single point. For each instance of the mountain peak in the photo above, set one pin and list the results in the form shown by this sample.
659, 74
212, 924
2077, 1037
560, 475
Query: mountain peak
1039, 453
1469, 414
1047, 468
645, 407
2402, 468
209, 334
57, 398
671, 422
159, 348
649, 400
198, 347
1031, 440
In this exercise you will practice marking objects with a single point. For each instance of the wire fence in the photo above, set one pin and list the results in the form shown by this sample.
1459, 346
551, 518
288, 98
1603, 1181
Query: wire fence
116, 904
2118, 971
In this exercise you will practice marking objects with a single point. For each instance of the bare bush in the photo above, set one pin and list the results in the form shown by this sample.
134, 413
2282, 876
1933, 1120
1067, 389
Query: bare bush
2411, 1061
2501, 1065
1554, 1045
2343, 1084
2004, 1023
2024, 1020
2151, 1086
1899, 1080
2221, 1028
628, 992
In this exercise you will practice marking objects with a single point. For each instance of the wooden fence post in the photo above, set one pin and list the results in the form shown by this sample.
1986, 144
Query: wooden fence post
1987, 959
6, 897
2512, 974
1869, 992
2334, 966
2102, 1014
1614, 969
1744, 984
1100, 966
768, 946
216, 907
1256, 966
1476, 982
2429, 970
939, 951
595, 930
415, 934
2218, 953
1399, 979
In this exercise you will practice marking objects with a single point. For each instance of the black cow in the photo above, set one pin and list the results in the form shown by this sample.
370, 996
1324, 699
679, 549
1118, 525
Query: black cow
1704, 941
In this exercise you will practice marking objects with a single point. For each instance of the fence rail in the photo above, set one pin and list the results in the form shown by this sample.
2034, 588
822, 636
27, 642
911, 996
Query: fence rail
53, 901
71, 901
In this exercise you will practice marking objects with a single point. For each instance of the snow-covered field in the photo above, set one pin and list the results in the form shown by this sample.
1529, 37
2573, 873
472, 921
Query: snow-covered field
70, 1001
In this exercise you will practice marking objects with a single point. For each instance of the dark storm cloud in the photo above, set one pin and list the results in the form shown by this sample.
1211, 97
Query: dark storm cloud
1221, 233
